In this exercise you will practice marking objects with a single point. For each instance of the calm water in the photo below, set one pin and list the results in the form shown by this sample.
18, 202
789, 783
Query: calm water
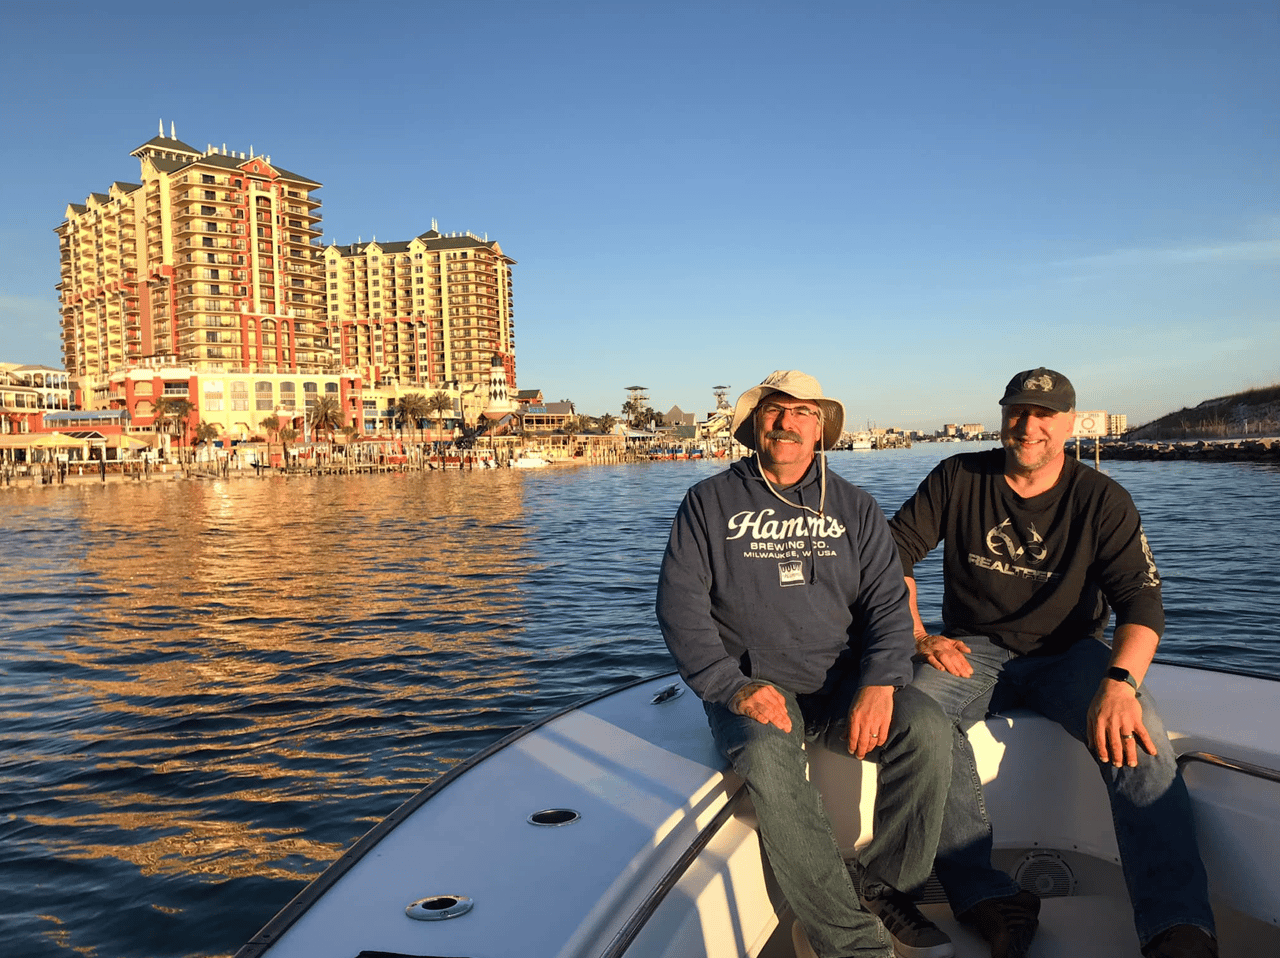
209, 690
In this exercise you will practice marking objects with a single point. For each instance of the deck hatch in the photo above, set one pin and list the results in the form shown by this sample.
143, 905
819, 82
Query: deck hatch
554, 816
439, 907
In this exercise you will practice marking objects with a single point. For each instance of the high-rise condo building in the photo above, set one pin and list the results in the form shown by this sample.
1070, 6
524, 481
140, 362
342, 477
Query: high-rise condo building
210, 263
207, 282
433, 310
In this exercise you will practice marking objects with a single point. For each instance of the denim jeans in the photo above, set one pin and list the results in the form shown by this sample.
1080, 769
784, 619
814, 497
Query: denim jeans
1150, 806
914, 770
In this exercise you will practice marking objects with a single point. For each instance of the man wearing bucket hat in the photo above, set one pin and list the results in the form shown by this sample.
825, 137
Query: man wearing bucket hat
1038, 548
782, 602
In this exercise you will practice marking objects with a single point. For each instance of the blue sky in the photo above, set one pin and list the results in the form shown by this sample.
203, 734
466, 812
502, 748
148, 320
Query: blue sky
910, 200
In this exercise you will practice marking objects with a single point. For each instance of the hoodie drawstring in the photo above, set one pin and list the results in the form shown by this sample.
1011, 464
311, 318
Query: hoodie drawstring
822, 492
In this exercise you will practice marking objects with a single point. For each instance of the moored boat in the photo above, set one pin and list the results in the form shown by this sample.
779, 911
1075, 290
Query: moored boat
613, 828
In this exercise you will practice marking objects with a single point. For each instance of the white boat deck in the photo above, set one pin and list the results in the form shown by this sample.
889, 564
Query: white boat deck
645, 782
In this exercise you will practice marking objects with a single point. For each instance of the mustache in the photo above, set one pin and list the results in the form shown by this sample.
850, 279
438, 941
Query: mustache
783, 434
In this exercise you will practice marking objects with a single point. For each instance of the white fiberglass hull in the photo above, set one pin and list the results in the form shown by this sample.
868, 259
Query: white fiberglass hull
662, 858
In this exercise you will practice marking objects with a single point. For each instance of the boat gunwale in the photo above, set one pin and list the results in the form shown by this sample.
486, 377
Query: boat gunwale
284, 919
1230, 764
644, 911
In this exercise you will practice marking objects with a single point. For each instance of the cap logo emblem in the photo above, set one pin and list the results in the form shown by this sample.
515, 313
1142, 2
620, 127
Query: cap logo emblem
1044, 383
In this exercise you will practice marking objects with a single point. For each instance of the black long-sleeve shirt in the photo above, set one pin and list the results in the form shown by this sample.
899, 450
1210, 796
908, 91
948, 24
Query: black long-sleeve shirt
1037, 574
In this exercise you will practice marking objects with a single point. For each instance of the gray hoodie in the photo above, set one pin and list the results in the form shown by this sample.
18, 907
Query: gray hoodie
755, 589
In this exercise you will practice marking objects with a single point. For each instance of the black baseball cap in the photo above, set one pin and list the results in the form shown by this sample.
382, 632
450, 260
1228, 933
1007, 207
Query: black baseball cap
1040, 387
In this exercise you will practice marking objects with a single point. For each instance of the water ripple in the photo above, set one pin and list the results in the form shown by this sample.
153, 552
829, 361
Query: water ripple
209, 690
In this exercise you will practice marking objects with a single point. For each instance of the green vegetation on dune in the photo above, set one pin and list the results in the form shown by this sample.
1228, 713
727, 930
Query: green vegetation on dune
1253, 412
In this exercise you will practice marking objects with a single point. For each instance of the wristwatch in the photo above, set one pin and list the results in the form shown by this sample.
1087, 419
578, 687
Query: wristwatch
1122, 675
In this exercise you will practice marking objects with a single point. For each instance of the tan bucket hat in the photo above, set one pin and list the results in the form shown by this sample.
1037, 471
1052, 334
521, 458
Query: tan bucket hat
797, 385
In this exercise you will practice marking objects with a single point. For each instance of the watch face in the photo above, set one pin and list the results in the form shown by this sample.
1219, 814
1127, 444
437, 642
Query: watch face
1122, 675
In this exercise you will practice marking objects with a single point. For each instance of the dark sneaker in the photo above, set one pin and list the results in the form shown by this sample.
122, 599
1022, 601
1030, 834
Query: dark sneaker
1182, 941
1008, 924
914, 935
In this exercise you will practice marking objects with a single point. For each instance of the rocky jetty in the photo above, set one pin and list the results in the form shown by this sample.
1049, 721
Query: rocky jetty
1238, 450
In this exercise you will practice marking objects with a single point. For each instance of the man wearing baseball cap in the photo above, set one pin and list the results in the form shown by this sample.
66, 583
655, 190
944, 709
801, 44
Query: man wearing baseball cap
1038, 549
782, 601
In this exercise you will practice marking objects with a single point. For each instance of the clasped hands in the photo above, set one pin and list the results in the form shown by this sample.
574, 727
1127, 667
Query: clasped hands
868, 719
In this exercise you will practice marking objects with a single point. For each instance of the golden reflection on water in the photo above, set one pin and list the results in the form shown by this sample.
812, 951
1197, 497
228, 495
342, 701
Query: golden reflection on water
177, 845
227, 642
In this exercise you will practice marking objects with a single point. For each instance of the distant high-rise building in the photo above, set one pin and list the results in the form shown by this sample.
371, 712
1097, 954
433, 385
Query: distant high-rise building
434, 310
211, 263
1117, 423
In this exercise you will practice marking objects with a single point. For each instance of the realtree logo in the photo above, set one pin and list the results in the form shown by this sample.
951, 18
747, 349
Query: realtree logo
760, 526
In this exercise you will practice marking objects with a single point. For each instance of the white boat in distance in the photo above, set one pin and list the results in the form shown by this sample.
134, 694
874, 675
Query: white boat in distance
529, 462
614, 828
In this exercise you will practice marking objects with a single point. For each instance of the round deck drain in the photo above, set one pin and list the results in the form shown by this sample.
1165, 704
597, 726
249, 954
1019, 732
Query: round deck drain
554, 816
439, 907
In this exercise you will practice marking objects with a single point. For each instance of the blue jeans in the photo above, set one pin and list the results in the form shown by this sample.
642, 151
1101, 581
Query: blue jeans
1149, 804
914, 770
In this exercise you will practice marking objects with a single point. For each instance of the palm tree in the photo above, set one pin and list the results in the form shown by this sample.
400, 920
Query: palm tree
438, 403
206, 433
272, 425
411, 410
325, 415
606, 423
349, 432
173, 416
638, 414
287, 435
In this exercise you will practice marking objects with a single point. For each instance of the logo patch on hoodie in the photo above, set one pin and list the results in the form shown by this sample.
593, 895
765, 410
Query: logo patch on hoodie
790, 573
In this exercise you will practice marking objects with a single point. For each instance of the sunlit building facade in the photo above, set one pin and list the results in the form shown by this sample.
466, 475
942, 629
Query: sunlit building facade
27, 393
212, 262
430, 312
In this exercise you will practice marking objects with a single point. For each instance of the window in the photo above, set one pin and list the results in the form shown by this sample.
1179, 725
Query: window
213, 388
